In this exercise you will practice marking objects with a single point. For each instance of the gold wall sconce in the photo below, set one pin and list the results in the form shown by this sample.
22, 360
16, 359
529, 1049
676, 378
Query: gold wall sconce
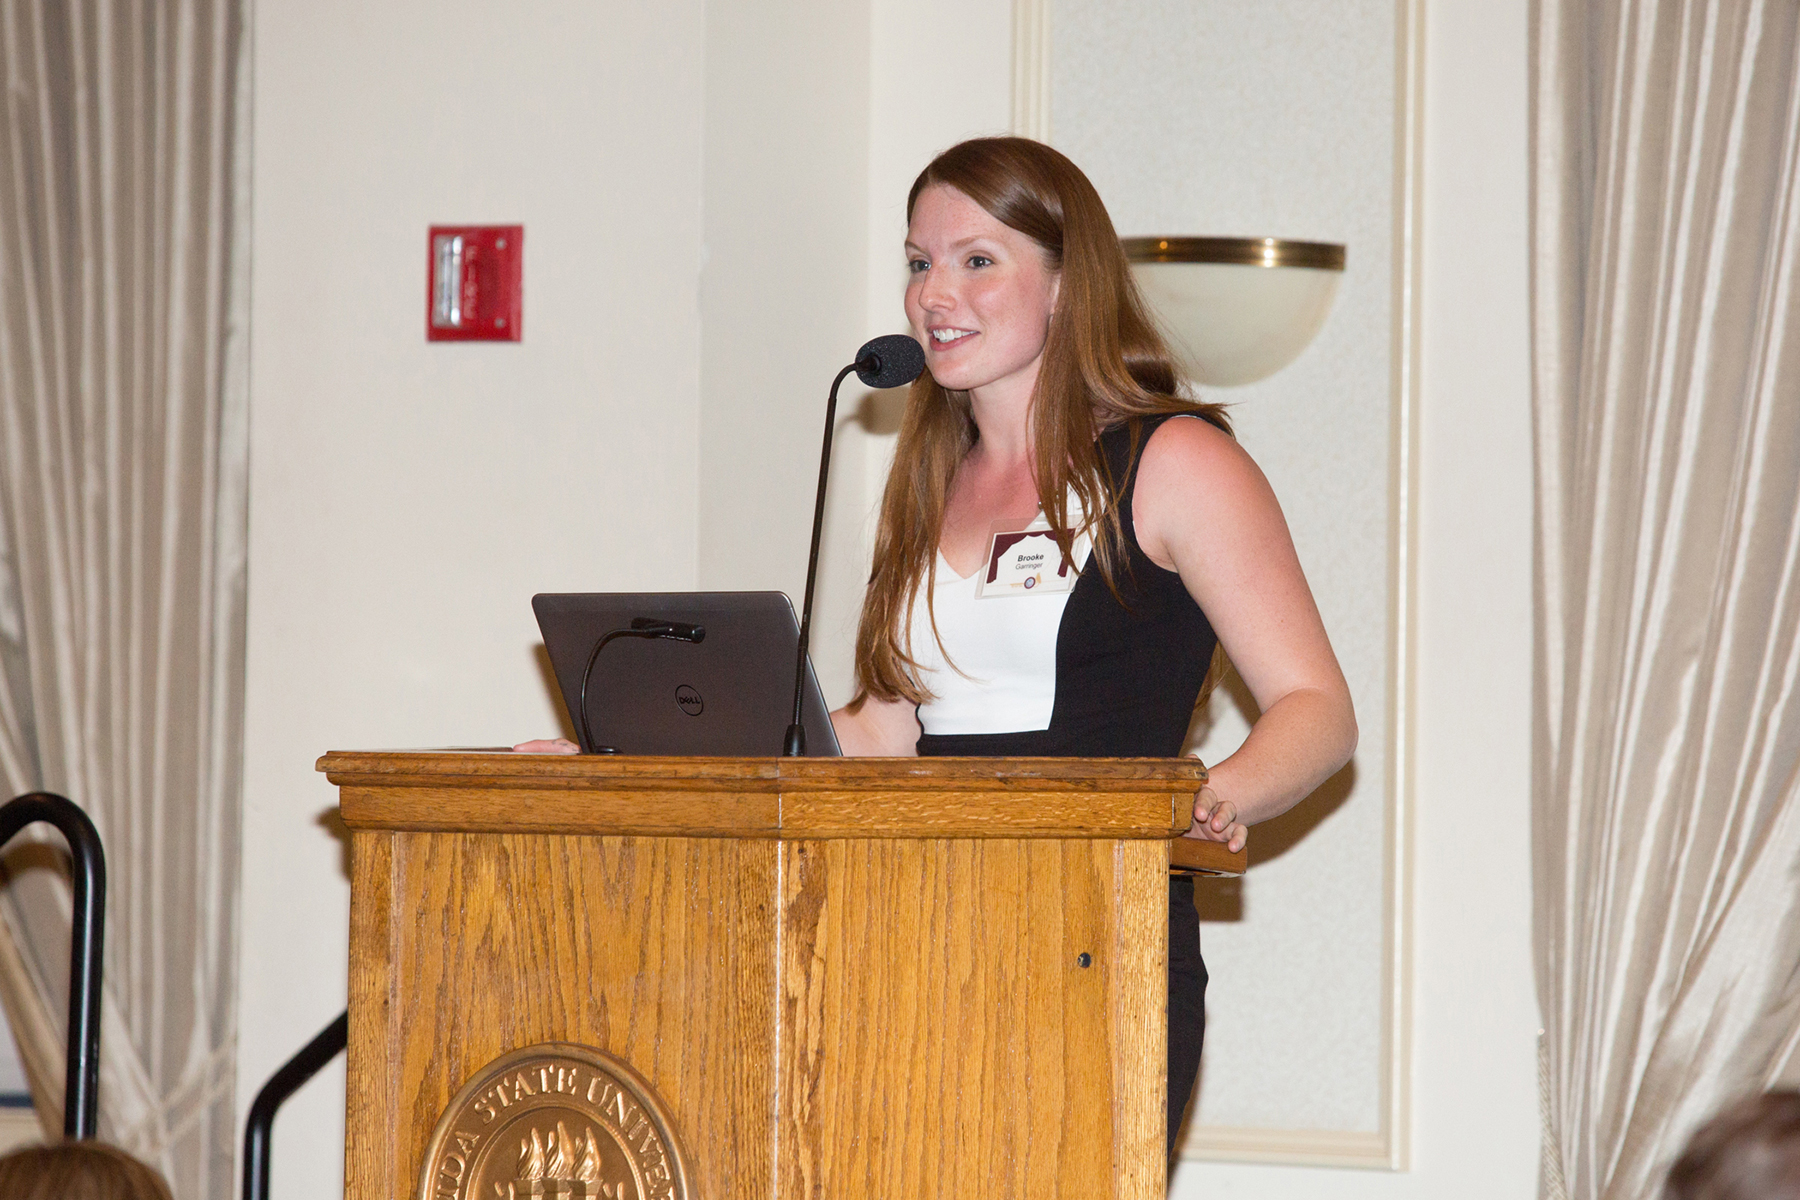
1236, 309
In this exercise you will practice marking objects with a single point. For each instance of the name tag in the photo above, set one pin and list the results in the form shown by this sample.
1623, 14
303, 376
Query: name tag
1026, 562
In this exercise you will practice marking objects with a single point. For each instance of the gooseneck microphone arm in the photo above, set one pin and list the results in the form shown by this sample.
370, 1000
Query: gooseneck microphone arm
641, 627
885, 362
795, 744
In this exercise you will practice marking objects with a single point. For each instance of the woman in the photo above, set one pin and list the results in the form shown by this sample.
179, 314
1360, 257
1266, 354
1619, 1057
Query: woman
1050, 406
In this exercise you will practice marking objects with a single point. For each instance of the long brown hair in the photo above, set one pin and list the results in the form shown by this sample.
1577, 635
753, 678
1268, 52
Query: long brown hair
1104, 363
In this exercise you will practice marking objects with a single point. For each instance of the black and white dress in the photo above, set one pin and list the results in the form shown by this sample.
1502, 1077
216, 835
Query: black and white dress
1081, 673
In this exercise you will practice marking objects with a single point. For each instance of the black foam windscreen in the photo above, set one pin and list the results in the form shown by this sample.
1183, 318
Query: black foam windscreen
890, 361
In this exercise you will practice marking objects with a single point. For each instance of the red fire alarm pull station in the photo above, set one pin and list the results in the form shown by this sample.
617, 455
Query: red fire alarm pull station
476, 277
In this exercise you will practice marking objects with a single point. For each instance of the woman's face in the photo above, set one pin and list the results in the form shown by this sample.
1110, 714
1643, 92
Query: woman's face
980, 296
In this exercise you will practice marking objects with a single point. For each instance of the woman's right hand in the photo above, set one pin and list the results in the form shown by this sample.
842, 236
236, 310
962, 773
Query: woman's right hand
1216, 820
547, 746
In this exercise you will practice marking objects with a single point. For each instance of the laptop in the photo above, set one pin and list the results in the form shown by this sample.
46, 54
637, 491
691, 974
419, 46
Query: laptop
730, 693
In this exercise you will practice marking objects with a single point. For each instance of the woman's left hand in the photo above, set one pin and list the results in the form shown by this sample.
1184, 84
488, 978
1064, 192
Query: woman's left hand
547, 746
1216, 820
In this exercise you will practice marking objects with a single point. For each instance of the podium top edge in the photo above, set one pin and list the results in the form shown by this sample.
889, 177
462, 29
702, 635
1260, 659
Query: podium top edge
785, 799
505, 768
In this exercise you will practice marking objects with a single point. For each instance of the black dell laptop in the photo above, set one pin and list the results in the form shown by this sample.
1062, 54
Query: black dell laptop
722, 684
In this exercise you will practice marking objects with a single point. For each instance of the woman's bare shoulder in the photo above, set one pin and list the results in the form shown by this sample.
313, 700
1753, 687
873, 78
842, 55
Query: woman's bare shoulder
1195, 474
1193, 446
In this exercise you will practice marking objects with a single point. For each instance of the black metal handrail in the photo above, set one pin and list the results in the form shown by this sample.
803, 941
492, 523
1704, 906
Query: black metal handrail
87, 870
294, 1073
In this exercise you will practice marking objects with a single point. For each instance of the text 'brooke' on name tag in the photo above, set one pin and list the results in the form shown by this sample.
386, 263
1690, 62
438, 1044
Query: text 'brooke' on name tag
1025, 563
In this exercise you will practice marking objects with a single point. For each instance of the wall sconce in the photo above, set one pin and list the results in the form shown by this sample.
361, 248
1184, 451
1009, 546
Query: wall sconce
1236, 309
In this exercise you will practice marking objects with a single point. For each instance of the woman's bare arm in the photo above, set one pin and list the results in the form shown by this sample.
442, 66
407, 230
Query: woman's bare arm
1203, 509
879, 729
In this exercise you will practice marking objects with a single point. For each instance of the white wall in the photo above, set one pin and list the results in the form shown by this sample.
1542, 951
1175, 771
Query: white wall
926, 93
407, 498
819, 115
787, 130
1474, 1014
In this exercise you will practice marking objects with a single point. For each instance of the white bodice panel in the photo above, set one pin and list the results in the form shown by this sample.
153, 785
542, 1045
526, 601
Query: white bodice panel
1001, 673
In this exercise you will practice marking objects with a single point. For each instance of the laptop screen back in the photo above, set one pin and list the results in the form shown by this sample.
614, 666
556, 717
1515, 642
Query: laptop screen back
730, 694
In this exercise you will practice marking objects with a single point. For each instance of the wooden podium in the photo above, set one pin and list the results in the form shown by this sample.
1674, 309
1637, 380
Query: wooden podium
898, 979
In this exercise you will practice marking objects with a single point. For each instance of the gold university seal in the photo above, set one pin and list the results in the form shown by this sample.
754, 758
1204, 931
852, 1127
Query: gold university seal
555, 1121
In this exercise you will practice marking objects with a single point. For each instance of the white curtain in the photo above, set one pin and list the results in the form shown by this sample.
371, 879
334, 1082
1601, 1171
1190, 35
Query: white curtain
1666, 758
123, 234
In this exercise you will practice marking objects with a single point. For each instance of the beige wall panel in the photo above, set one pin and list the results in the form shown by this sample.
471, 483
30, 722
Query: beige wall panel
1278, 119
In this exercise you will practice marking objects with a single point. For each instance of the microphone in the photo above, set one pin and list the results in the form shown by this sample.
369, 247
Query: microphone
641, 627
889, 362
885, 362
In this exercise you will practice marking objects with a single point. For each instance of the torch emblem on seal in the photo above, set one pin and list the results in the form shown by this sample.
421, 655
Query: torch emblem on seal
556, 1121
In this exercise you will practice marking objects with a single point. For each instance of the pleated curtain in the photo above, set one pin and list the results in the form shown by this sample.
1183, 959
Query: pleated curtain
1666, 761
123, 264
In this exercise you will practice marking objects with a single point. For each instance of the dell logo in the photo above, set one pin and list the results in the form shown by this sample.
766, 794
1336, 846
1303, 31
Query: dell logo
689, 701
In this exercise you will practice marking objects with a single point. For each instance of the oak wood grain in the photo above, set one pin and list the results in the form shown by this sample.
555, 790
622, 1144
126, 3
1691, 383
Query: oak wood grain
844, 978
657, 950
372, 1110
940, 1033
1055, 798
436, 805
1140, 1024
501, 769
1205, 858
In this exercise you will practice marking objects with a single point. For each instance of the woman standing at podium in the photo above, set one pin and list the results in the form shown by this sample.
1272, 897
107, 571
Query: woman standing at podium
1047, 434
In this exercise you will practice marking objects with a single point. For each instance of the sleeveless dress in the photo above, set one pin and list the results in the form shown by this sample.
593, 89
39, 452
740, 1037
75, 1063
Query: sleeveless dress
1081, 673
